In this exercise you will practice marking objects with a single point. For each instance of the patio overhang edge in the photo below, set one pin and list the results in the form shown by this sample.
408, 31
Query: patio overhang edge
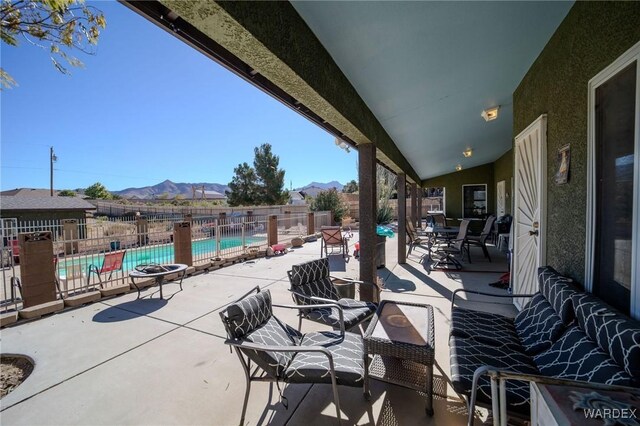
292, 66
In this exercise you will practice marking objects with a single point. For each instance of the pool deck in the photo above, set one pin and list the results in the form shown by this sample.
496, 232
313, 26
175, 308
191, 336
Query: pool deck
150, 361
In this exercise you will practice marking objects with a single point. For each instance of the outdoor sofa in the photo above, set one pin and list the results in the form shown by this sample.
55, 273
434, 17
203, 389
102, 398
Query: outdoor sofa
562, 335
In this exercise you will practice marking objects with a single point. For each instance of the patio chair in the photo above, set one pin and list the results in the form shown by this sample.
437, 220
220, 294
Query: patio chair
311, 285
457, 247
332, 238
414, 238
112, 262
481, 240
282, 354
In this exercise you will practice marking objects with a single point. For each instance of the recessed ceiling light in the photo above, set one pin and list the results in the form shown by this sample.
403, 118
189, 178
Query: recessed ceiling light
467, 152
458, 167
490, 114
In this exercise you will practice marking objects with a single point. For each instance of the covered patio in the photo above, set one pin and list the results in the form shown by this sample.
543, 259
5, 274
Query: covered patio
151, 361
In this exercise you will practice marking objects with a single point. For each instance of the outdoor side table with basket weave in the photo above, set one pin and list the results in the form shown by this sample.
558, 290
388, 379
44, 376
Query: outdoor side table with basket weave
401, 341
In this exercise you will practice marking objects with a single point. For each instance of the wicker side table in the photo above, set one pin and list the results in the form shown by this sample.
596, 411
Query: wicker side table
401, 342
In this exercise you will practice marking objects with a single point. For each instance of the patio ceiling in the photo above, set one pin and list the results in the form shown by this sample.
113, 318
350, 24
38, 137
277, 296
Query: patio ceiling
427, 69
412, 78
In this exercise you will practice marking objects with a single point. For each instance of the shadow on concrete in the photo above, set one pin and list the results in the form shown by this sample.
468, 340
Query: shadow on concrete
129, 310
444, 291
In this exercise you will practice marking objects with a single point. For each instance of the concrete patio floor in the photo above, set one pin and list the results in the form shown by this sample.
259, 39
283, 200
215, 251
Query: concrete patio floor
150, 361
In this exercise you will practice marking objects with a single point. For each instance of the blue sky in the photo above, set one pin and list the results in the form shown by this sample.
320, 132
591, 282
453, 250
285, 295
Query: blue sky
147, 107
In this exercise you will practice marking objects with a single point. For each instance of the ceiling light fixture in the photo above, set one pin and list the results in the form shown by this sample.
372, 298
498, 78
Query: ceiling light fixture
490, 114
467, 152
458, 167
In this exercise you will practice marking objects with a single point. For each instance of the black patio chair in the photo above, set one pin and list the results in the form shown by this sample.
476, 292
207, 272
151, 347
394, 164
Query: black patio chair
311, 285
481, 240
457, 247
282, 354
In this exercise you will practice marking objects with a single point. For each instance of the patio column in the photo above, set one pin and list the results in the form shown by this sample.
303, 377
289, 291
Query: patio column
402, 218
420, 192
414, 204
368, 207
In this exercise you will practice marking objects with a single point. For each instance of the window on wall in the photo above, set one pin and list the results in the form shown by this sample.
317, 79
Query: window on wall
613, 253
474, 201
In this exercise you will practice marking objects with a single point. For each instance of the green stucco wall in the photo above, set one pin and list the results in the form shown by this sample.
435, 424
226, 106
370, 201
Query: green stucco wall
503, 170
453, 182
592, 36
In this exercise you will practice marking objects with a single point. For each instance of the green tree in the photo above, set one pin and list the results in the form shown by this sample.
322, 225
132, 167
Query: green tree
56, 26
97, 191
330, 200
243, 187
386, 187
351, 187
66, 193
270, 179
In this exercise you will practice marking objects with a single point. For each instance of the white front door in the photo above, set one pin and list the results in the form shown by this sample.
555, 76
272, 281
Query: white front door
529, 208
500, 198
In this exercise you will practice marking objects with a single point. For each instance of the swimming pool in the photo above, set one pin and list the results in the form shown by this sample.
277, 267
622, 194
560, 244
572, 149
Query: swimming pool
162, 253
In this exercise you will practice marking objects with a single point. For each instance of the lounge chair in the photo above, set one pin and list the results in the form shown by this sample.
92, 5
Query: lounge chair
282, 354
112, 262
457, 247
311, 285
481, 240
332, 238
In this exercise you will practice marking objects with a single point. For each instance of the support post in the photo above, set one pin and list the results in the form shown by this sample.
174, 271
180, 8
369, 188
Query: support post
414, 204
420, 192
368, 206
402, 218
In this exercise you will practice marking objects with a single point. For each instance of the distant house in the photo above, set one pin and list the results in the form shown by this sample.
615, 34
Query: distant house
29, 192
37, 208
209, 195
296, 198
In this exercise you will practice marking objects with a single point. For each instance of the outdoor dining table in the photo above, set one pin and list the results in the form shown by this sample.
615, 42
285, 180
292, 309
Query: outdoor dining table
432, 231
158, 272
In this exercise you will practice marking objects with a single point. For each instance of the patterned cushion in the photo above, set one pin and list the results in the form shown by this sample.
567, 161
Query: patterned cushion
557, 289
486, 327
272, 333
312, 279
615, 334
249, 313
574, 356
538, 325
467, 355
348, 358
331, 316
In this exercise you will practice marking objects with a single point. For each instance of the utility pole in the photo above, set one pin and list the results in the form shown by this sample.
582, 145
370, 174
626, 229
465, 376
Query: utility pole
52, 159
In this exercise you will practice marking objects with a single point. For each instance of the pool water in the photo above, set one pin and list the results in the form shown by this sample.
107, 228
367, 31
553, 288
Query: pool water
159, 254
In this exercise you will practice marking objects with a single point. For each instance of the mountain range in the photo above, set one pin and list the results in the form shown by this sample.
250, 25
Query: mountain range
186, 189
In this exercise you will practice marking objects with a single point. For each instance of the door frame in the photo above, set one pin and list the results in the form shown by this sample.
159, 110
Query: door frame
504, 196
541, 124
631, 55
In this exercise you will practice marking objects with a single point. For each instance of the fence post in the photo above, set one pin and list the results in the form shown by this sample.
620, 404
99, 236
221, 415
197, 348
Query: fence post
311, 223
218, 237
244, 240
142, 229
182, 243
70, 235
272, 230
37, 269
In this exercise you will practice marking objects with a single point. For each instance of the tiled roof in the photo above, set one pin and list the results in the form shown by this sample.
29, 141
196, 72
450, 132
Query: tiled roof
44, 203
